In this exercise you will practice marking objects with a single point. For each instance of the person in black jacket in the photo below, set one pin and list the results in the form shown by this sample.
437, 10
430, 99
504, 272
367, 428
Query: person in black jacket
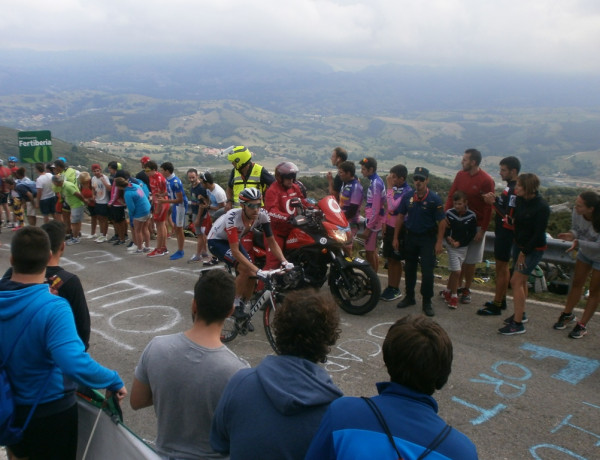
530, 221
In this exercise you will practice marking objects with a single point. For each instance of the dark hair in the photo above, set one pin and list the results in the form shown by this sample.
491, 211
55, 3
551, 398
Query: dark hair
592, 200
20, 173
30, 250
417, 353
126, 174
399, 171
121, 173
56, 231
151, 165
113, 165
474, 155
121, 182
348, 166
208, 178
530, 183
511, 163
459, 195
192, 170
60, 164
168, 166
40, 167
214, 293
341, 153
307, 325
369, 162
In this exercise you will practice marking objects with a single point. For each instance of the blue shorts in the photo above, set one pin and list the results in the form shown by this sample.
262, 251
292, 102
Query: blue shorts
586, 260
531, 260
222, 251
48, 206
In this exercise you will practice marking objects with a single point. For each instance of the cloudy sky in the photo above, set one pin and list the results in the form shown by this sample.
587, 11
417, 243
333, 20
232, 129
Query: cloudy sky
545, 35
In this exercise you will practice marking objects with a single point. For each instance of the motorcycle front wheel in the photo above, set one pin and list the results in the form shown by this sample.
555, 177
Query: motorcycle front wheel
358, 291
229, 331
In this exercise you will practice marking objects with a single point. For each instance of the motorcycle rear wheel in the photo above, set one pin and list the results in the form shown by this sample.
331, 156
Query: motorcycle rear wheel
362, 293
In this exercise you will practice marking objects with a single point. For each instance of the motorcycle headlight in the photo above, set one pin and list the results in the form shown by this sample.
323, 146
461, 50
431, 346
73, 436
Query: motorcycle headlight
340, 235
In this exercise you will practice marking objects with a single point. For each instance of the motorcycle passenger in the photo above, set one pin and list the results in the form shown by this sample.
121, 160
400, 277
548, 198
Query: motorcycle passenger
245, 174
277, 203
224, 243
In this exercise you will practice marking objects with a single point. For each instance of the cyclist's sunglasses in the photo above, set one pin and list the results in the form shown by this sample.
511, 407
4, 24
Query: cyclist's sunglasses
253, 205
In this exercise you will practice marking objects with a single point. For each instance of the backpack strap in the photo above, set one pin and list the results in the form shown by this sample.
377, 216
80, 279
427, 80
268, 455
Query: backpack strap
383, 423
442, 435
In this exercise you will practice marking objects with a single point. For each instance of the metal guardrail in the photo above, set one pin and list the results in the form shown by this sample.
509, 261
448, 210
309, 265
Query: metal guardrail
554, 254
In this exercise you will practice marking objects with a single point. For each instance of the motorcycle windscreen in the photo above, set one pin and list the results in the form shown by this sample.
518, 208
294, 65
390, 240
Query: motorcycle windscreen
332, 211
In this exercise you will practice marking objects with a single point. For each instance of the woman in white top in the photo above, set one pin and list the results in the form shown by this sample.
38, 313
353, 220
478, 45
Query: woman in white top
585, 235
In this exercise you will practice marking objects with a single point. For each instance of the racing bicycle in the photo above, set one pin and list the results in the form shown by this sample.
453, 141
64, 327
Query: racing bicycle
266, 298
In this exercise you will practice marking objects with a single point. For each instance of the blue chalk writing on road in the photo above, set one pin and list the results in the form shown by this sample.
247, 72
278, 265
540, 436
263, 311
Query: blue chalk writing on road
486, 414
533, 450
577, 369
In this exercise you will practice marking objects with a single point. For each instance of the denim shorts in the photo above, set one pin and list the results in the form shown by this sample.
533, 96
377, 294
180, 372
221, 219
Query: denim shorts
586, 260
77, 215
531, 260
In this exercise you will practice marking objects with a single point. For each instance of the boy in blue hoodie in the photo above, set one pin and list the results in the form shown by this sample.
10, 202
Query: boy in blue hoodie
48, 351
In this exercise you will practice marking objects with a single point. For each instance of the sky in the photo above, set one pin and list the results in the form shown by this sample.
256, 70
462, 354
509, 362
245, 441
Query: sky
536, 35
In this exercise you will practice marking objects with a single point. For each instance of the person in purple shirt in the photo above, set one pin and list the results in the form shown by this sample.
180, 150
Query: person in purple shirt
397, 188
374, 209
350, 196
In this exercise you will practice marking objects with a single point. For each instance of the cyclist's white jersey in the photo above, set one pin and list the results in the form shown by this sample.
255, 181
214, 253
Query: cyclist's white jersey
230, 226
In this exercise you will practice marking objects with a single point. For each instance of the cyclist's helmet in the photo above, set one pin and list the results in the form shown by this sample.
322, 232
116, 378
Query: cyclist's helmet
249, 194
240, 156
286, 170
13, 159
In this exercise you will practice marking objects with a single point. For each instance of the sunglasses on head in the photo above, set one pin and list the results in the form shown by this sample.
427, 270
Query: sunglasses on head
253, 205
419, 179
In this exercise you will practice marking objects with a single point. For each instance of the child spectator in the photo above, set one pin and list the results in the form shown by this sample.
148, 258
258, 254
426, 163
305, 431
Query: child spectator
461, 226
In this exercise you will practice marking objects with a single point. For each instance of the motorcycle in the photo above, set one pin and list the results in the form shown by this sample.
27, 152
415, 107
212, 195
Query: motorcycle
316, 248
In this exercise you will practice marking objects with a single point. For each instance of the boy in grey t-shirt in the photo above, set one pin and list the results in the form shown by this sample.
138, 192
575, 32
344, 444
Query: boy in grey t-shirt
184, 374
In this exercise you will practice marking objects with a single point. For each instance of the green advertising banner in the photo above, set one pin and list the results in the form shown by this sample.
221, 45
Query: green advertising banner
35, 146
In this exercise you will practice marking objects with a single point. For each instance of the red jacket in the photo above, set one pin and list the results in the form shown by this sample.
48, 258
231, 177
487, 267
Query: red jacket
277, 205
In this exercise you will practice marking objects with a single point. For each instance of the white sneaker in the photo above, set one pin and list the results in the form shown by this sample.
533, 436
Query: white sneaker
132, 248
101, 239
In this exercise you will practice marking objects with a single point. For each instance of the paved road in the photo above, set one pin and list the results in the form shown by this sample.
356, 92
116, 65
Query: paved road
535, 395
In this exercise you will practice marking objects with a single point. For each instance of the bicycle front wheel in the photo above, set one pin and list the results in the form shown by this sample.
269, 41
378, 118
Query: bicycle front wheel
268, 316
229, 331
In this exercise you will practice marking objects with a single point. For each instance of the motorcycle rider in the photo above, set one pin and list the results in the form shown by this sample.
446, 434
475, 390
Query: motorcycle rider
277, 203
224, 242
244, 174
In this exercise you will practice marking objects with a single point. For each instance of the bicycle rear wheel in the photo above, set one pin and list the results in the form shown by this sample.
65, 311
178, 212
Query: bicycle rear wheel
268, 316
229, 331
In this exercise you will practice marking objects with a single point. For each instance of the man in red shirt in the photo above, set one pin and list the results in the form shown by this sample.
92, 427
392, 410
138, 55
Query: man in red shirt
277, 204
475, 183
4, 192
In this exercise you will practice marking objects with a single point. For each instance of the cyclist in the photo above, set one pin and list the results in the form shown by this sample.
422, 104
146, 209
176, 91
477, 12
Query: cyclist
277, 203
224, 242
244, 174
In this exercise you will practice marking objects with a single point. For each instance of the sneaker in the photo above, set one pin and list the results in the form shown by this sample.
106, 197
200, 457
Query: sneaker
446, 294
209, 263
512, 317
137, 251
87, 236
465, 296
114, 238
512, 328
156, 253
406, 302
578, 331
428, 309
119, 242
490, 311
453, 302
563, 320
164, 250
101, 239
73, 241
491, 303
176, 255
195, 258
147, 250
390, 294
130, 245
239, 314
